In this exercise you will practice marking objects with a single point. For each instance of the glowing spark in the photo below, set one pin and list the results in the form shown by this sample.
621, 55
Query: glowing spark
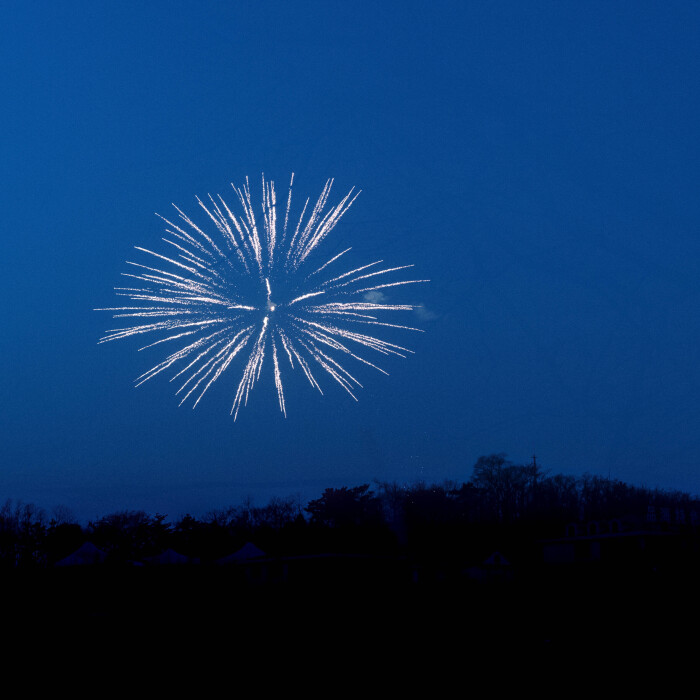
216, 291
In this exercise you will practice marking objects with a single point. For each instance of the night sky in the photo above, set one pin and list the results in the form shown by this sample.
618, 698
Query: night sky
539, 162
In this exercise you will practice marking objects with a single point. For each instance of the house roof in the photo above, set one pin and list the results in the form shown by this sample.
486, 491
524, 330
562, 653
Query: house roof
170, 556
87, 553
246, 552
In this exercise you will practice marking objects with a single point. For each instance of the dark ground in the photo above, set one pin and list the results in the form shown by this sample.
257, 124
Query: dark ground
543, 608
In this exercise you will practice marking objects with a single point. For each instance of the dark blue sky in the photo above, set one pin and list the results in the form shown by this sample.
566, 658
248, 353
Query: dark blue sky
538, 161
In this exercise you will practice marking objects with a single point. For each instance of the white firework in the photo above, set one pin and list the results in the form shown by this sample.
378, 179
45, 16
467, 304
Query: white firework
249, 287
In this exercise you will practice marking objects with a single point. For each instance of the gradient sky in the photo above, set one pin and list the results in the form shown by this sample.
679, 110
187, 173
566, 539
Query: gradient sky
538, 161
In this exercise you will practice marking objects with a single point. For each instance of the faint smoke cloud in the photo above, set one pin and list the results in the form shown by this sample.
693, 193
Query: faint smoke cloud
375, 297
421, 310
424, 313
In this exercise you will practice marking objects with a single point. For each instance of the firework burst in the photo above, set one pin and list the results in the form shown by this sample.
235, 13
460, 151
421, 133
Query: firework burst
250, 287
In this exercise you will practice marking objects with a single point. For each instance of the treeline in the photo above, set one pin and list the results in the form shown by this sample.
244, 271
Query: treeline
500, 503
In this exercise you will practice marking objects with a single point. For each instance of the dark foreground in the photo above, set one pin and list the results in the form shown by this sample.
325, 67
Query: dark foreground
542, 607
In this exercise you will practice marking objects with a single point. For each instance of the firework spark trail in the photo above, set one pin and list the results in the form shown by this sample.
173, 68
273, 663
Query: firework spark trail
179, 355
278, 379
232, 290
337, 345
302, 362
326, 264
135, 330
270, 209
226, 362
232, 237
325, 227
335, 307
390, 284
283, 338
368, 340
352, 272
304, 296
220, 358
286, 213
252, 370
319, 358
371, 274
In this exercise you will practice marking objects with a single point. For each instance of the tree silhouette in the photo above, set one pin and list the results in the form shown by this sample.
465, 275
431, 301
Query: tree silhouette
345, 506
130, 534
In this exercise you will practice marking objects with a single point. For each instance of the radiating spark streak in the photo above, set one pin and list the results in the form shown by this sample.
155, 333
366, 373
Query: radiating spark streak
304, 365
133, 308
220, 216
178, 355
136, 330
155, 314
310, 238
318, 207
335, 344
269, 211
222, 366
286, 214
251, 228
252, 370
278, 379
368, 340
224, 229
339, 313
179, 297
189, 269
210, 364
184, 236
373, 274
327, 340
284, 344
216, 219
352, 272
178, 282
198, 247
341, 380
304, 296
227, 232
238, 228
178, 300
388, 325
335, 364
171, 337
367, 362
204, 352
296, 231
232, 270
187, 220
327, 226
161, 272
201, 263
390, 284
362, 306
325, 265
